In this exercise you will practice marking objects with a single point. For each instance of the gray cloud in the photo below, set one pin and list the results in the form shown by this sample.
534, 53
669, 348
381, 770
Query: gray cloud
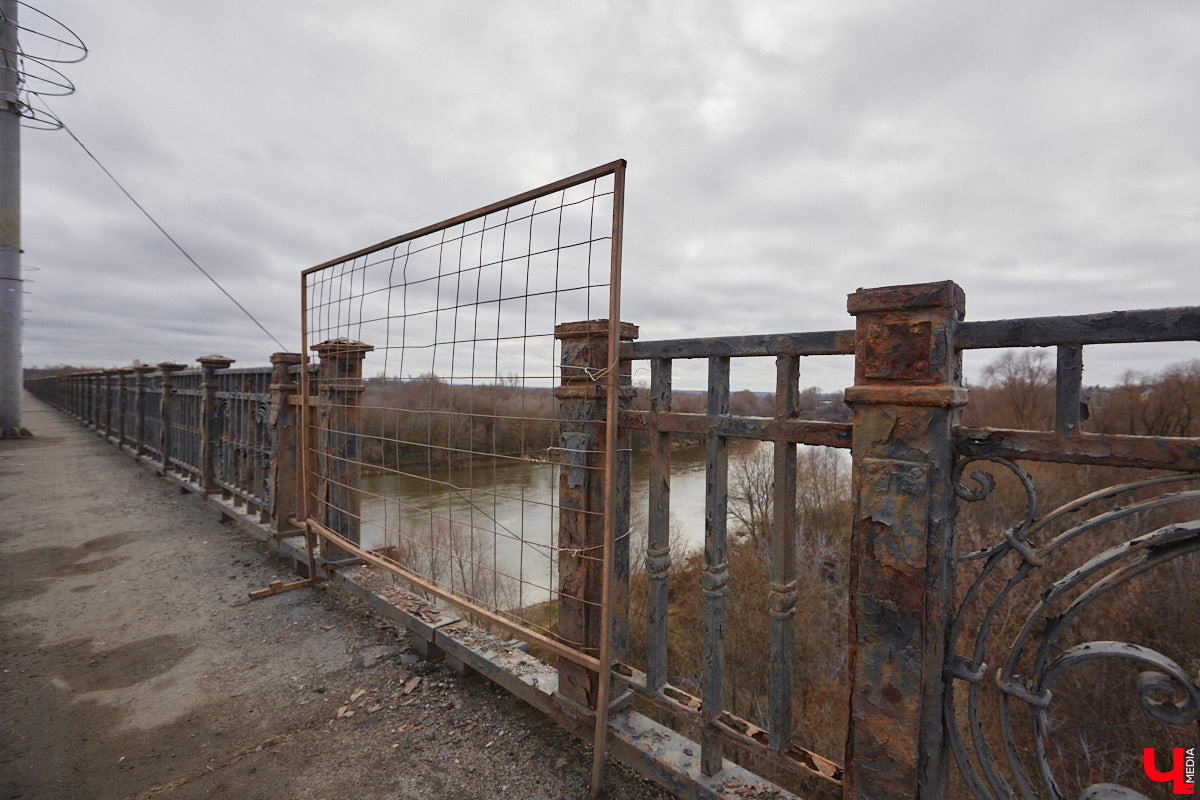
1045, 157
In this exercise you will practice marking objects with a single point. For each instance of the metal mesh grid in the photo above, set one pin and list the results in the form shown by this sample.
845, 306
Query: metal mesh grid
457, 432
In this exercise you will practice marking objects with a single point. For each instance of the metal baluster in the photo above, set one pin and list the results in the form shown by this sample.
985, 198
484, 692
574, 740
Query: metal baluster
715, 577
658, 538
1068, 408
782, 597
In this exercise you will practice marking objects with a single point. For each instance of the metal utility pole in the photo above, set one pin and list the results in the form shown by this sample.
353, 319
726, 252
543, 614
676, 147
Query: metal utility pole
11, 286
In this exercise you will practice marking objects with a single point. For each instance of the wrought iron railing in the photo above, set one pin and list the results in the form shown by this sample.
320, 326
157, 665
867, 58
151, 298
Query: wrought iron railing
243, 436
974, 614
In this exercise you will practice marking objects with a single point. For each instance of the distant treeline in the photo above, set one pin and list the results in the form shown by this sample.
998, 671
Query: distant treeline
428, 420
1017, 391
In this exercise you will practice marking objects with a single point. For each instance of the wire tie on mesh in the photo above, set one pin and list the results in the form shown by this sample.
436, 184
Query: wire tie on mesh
596, 374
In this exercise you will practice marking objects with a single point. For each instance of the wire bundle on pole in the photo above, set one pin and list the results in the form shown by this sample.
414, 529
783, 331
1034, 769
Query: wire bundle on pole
36, 74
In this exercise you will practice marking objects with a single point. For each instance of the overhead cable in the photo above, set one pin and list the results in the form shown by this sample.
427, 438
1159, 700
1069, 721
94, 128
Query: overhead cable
161, 229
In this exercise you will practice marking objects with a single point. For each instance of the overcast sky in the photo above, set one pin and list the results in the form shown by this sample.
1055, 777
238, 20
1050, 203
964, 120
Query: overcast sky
1044, 155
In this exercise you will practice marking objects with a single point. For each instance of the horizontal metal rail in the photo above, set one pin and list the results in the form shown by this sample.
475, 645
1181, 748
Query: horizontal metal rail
491, 208
824, 343
1112, 450
456, 600
767, 429
1111, 327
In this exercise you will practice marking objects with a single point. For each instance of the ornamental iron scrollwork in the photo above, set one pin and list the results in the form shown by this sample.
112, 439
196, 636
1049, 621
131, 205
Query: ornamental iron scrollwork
1039, 605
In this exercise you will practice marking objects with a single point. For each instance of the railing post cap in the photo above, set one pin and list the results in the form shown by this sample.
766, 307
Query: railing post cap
912, 295
287, 358
143, 368
170, 366
341, 347
593, 327
215, 362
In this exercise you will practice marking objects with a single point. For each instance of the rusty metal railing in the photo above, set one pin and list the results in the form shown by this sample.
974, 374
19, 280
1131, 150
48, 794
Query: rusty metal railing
218, 430
1043, 595
770, 751
242, 437
975, 614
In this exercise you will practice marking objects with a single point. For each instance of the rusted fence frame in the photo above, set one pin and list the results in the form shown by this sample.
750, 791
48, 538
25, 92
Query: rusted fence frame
321, 421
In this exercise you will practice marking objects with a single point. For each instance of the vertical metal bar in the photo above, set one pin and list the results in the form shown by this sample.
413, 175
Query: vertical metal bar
1068, 387
658, 538
303, 509
619, 599
715, 577
782, 597
610, 477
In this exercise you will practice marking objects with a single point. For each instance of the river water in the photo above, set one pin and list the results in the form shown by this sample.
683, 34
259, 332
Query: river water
506, 515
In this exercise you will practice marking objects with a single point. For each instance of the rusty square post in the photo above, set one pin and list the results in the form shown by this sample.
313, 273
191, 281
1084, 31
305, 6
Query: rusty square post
168, 369
340, 386
284, 425
581, 412
139, 405
907, 389
209, 422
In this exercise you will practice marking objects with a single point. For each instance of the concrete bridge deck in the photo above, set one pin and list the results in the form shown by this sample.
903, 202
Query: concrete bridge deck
134, 666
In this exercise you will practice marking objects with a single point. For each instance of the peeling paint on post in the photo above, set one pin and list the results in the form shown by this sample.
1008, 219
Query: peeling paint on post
581, 414
339, 381
907, 391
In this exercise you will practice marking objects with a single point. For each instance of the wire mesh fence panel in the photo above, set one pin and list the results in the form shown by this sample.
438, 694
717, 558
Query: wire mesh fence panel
445, 460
